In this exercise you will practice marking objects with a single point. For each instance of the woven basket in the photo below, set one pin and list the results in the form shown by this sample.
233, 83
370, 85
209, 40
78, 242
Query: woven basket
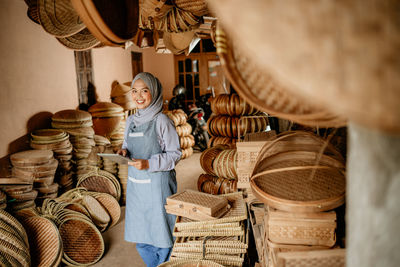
190, 263
214, 244
316, 229
318, 258
260, 90
208, 156
101, 181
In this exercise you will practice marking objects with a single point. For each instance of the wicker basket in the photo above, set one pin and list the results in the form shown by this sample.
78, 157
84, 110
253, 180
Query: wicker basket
260, 90
317, 258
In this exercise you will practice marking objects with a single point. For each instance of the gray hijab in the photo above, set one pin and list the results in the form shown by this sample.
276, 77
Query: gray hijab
145, 115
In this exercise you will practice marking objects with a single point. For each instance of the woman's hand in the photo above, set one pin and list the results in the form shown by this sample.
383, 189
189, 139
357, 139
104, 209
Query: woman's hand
122, 152
140, 164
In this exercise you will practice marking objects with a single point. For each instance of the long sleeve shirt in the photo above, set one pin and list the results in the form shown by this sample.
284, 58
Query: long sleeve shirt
169, 143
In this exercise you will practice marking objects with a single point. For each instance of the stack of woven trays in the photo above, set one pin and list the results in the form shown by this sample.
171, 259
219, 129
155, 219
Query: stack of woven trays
300, 178
109, 165
106, 117
101, 181
101, 144
184, 130
17, 194
219, 162
226, 125
117, 136
14, 246
38, 167
222, 240
78, 124
57, 141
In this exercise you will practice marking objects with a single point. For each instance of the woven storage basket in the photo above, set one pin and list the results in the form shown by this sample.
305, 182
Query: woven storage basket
190, 263
300, 189
317, 258
208, 156
259, 89
82, 242
196, 205
316, 229
214, 244
45, 241
274, 248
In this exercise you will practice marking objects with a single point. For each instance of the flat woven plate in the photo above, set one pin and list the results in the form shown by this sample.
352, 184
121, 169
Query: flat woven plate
300, 189
31, 157
44, 240
97, 212
112, 207
82, 242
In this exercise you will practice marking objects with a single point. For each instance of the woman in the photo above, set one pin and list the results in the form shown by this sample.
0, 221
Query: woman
152, 143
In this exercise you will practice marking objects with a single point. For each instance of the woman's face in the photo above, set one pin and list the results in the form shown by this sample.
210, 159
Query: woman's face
141, 94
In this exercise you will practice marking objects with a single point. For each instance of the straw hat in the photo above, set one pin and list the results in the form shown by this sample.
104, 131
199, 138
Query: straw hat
80, 41
178, 42
59, 18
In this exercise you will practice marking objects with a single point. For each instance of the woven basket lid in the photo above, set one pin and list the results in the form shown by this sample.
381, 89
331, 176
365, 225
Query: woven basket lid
71, 115
45, 241
80, 41
196, 7
301, 188
24, 196
51, 165
31, 157
59, 18
48, 135
71, 125
87, 132
82, 241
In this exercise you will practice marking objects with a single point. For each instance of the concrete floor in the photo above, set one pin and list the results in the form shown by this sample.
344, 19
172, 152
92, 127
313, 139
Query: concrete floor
118, 252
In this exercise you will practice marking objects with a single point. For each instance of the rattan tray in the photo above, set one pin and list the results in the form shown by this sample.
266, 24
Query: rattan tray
45, 241
101, 181
31, 157
317, 258
214, 244
190, 263
300, 189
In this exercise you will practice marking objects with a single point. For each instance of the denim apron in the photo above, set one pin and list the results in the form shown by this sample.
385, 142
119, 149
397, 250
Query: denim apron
145, 218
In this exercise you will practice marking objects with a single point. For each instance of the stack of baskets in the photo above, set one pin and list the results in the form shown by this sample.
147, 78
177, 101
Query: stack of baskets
300, 178
106, 117
184, 131
223, 240
14, 246
123, 179
229, 121
38, 167
109, 165
219, 162
57, 141
101, 144
17, 194
78, 124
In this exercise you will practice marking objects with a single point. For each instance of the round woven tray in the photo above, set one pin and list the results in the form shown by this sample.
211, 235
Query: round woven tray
82, 242
45, 241
111, 205
300, 189
101, 181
